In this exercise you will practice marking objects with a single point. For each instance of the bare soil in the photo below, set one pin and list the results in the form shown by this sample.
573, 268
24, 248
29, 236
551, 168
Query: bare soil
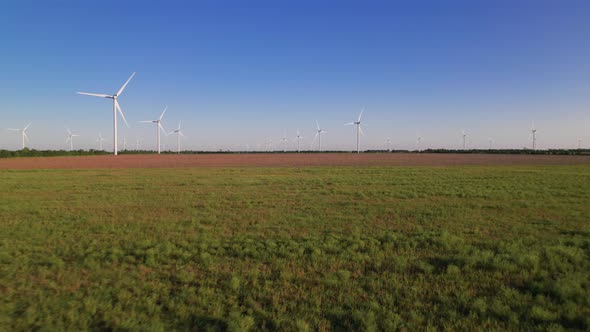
286, 160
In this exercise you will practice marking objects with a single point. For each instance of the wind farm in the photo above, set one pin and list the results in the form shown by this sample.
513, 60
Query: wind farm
365, 166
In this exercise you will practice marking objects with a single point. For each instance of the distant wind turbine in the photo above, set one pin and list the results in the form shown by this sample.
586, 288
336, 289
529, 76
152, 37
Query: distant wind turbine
579, 143
100, 140
534, 136
298, 137
159, 127
388, 144
116, 108
359, 130
491, 141
124, 143
178, 133
464, 135
318, 136
71, 139
284, 140
418, 141
23, 132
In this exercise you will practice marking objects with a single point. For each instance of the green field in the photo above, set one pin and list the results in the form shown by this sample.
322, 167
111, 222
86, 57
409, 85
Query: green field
299, 249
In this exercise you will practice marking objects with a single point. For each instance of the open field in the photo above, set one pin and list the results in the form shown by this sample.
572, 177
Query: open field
288, 159
291, 248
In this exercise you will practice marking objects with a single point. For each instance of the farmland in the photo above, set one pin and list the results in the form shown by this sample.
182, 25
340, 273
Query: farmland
296, 248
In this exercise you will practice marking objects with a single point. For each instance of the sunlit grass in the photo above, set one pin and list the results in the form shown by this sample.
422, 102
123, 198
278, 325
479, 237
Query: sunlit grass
296, 248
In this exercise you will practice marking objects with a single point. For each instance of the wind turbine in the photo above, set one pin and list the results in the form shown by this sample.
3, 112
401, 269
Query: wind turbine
298, 137
159, 127
71, 139
491, 141
359, 130
116, 108
178, 133
388, 144
418, 140
534, 135
23, 134
124, 143
464, 135
284, 140
100, 140
579, 143
318, 135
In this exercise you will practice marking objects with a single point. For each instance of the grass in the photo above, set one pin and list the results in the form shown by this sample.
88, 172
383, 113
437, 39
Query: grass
296, 249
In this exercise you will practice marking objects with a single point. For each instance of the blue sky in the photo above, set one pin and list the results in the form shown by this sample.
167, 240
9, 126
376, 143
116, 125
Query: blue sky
242, 73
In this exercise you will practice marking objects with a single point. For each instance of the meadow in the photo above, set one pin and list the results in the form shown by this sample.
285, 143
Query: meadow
296, 249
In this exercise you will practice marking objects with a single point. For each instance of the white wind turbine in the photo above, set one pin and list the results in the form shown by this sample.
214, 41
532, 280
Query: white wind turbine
298, 137
178, 133
318, 136
359, 130
464, 135
70, 139
23, 134
418, 141
579, 143
284, 140
116, 108
388, 144
124, 143
159, 127
491, 141
100, 140
534, 135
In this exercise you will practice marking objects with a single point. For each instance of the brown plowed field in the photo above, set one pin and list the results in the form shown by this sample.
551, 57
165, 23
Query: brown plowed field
286, 160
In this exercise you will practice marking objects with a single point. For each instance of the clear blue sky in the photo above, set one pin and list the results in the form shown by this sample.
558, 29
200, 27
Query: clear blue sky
243, 72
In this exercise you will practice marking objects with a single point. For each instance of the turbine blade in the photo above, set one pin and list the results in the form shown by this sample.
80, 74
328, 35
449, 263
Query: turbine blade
162, 128
361, 115
317, 124
69, 132
94, 94
124, 85
361, 131
147, 121
162, 115
348, 124
12, 129
27, 127
26, 137
121, 112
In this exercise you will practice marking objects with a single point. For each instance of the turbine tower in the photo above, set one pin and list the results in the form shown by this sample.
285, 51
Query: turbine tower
100, 140
178, 133
418, 140
359, 130
534, 135
579, 143
159, 127
318, 135
71, 139
491, 141
116, 108
23, 134
298, 137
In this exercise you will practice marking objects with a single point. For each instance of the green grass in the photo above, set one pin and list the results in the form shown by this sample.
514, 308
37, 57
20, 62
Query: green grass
298, 249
